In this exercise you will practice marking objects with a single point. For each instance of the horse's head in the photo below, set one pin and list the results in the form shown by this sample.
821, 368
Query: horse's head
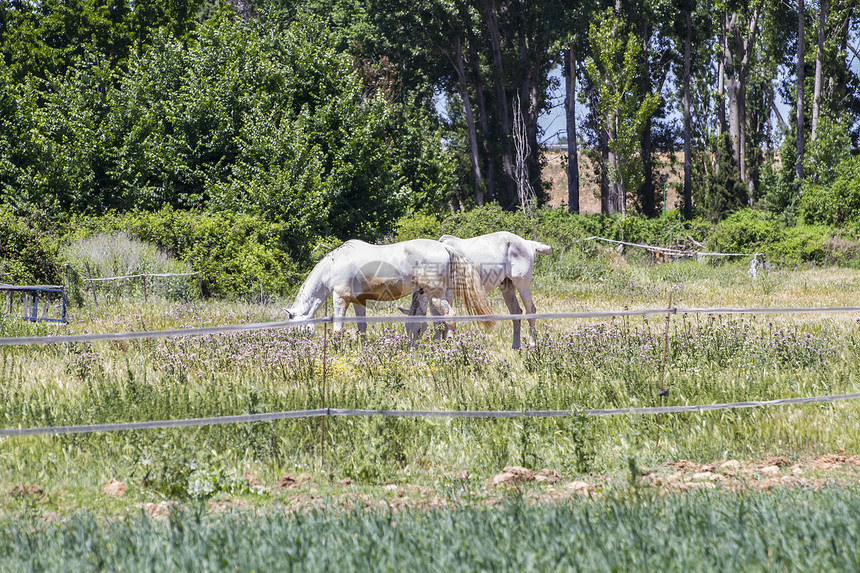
292, 315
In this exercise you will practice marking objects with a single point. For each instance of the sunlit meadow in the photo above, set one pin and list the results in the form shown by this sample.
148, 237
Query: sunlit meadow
575, 365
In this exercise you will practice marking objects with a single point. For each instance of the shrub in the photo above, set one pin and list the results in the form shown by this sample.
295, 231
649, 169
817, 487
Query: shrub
837, 203
234, 253
745, 231
561, 229
417, 226
749, 231
27, 256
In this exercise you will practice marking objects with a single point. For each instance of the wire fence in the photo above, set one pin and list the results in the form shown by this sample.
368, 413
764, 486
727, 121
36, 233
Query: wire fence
210, 330
350, 412
326, 412
142, 275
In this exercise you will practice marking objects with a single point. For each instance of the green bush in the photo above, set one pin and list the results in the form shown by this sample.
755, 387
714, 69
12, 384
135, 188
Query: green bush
751, 231
417, 226
234, 253
27, 256
746, 231
553, 226
837, 203
561, 229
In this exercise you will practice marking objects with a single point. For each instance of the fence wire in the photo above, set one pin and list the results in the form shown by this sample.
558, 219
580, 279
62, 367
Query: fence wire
349, 412
209, 330
272, 416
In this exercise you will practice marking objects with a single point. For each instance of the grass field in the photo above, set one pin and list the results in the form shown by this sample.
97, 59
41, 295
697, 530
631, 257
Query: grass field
433, 463
792, 530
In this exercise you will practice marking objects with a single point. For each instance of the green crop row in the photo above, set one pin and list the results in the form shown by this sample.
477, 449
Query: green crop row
795, 530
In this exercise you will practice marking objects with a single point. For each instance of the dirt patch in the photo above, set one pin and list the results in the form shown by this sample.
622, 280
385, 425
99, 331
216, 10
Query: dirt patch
548, 475
289, 481
115, 488
158, 510
21, 490
779, 461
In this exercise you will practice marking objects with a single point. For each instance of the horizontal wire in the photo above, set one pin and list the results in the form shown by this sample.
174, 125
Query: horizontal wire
348, 412
209, 330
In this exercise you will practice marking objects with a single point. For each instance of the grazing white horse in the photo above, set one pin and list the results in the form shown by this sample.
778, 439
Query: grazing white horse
505, 261
357, 272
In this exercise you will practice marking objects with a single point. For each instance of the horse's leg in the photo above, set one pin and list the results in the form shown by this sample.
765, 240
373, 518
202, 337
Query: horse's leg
525, 291
361, 312
418, 307
340, 306
509, 293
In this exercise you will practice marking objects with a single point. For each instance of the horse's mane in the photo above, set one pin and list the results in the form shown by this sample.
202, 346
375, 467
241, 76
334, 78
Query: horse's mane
314, 278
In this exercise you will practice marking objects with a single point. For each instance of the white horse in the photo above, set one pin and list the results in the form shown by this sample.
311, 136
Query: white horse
505, 261
357, 272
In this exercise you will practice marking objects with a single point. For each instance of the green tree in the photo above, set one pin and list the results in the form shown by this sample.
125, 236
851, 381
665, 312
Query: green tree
624, 111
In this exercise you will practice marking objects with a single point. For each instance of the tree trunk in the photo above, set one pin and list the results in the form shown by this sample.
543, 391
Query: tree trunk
688, 122
819, 71
460, 66
530, 49
740, 48
646, 192
570, 116
603, 143
510, 196
721, 79
484, 123
615, 201
801, 79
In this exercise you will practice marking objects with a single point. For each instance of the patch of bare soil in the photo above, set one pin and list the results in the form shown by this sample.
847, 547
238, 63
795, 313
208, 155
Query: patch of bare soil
289, 481
735, 475
21, 490
115, 488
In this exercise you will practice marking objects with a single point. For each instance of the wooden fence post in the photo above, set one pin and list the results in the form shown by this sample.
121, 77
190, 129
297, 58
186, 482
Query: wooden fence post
92, 283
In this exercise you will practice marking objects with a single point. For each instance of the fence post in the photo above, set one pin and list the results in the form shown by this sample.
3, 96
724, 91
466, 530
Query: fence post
143, 278
92, 283
68, 275
325, 361
663, 393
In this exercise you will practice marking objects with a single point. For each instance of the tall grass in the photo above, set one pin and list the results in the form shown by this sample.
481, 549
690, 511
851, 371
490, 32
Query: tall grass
798, 530
116, 255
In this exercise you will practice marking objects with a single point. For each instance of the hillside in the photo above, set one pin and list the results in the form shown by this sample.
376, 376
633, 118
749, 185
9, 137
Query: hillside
589, 195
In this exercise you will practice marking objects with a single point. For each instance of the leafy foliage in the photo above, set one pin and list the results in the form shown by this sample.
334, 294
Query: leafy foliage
723, 192
749, 230
837, 203
237, 116
236, 255
27, 256
623, 110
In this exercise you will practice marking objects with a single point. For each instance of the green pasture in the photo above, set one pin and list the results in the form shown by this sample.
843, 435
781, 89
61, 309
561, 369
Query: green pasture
577, 364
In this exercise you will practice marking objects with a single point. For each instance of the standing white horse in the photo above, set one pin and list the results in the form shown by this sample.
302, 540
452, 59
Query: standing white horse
505, 261
357, 272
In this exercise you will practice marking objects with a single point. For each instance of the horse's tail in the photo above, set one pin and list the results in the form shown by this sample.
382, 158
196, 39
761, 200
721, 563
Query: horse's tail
468, 286
539, 247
